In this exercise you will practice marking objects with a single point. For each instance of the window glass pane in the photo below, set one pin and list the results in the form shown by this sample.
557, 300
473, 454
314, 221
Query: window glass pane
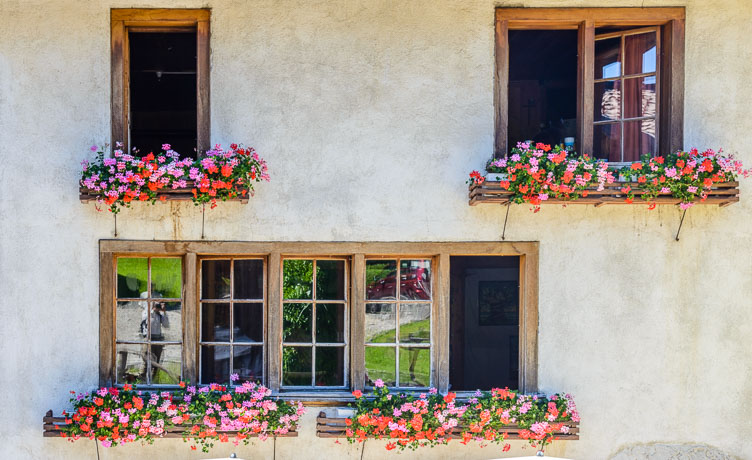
166, 278
330, 323
166, 322
297, 279
381, 364
249, 279
608, 58
215, 322
131, 321
381, 322
607, 142
640, 53
415, 323
296, 366
215, 279
330, 366
296, 325
131, 277
215, 364
414, 367
330, 280
639, 97
607, 101
639, 139
165, 364
416, 279
249, 322
130, 363
248, 363
381, 279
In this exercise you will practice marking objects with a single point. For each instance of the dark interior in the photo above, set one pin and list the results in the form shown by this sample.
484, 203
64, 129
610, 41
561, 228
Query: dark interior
163, 91
542, 85
484, 322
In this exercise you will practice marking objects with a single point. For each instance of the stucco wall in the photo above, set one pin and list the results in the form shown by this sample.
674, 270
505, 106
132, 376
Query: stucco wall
370, 113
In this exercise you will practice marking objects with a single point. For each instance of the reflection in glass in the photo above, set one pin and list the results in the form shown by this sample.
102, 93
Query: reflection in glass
607, 142
640, 52
166, 278
248, 363
130, 363
131, 321
249, 279
381, 363
215, 363
215, 279
296, 366
639, 139
416, 279
639, 97
330, 280
381, 322
296, 325
132, 274
215, 322
415, 323
608, 58
330, 366
381, 279
165, 364
414, 367
297, 279
249, 322
330, 323
166, 321
607, 97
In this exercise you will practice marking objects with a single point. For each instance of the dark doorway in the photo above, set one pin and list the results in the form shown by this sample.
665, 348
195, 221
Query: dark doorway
163, 91
542, 85
484, 322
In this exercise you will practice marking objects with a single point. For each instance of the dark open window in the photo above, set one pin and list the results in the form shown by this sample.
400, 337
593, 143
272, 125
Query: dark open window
612, 78
485, 322
160, 79
163, 91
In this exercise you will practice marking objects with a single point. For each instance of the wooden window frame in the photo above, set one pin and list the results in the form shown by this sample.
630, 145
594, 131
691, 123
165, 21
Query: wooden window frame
585, 21
123, 20
274, 252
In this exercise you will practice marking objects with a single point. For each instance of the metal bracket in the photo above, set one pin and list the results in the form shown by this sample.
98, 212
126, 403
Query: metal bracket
504, 231
680, 224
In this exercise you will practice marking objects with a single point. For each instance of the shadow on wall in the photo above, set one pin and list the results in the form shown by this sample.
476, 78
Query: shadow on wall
671, 451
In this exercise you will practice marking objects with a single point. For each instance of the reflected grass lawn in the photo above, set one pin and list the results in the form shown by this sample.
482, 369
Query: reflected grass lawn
381, 361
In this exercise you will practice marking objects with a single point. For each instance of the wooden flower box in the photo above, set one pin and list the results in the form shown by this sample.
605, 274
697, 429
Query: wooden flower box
722, 194
52, 424
170, 194
334, 427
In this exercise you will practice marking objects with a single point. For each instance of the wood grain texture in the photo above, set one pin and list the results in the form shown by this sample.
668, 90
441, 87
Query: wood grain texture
203, 72
274, 322
537, 18
501, 89
358, 322
528, 359
671, 122
160, 14
190, 318
119, 132
441, 327
107, 288
585, 87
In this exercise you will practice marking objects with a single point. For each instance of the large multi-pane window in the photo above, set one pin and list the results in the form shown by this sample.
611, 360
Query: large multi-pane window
324, 318
398, 322
232, 319
148, 321
314, 326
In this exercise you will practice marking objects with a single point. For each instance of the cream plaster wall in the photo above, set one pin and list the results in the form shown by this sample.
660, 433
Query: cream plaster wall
370, 114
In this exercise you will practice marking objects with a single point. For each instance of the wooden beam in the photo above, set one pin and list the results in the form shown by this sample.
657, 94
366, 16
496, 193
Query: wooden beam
441, 324
274, 322
203, 72
533, 18
190, 318
358, 323
107, 288
671, 124
160, 14
585, 88
528, 358
119, 132
501, 89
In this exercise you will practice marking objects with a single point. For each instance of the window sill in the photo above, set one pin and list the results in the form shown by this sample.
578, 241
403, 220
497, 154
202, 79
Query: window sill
334, 427
722, 194
52, 424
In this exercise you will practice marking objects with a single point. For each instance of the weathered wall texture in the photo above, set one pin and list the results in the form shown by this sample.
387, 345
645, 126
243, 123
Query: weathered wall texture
370, 113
